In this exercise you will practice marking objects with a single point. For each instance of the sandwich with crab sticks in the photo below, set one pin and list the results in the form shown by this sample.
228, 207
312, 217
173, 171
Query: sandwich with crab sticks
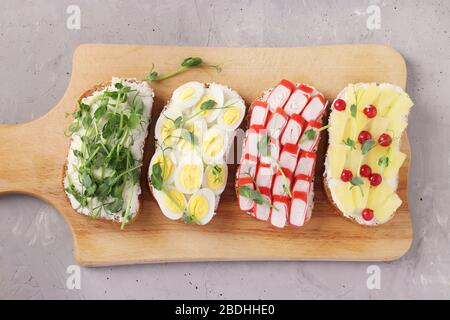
275, 177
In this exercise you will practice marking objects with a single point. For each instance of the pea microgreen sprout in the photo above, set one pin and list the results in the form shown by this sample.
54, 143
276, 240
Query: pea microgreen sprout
216, 171
180, 121
188, 63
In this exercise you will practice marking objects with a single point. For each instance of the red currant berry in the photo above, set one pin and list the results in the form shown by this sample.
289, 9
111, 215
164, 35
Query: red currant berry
346, 175
340, 105
365, 171
375, 179
385, 140
363, 136
367, 214
370, 111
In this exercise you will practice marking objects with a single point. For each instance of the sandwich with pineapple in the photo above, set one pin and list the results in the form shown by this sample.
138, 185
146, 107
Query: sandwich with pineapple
363, 159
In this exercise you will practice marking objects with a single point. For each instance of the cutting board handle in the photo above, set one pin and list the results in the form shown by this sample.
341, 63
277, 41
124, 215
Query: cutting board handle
28, 158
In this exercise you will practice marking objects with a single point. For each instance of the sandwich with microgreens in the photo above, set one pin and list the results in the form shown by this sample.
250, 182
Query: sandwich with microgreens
193, 134
104, 162
363, 159
275, 178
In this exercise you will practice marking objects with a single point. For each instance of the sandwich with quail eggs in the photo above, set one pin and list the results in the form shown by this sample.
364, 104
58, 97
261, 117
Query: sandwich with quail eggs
188, 171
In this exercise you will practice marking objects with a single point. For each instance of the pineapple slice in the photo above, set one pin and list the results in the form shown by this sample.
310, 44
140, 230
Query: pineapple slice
397, 126
379, 194
361, 121
354, 159
351, 97
339, 124
387, 208
396, 159
361, 194
369, 96
401, 107
379, 126
344, 196
350, 130
337, 155
386, 98
374, 155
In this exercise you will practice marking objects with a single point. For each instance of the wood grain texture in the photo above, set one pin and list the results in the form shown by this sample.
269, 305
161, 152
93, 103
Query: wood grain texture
32, 156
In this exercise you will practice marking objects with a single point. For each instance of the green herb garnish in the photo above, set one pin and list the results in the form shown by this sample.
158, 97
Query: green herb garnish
207, 105
254, 195
216, 171
286, 184
263, 146
353, 110
367, 145
350, 142
357, 182
311, 133
178, 122
156, 177
383, 161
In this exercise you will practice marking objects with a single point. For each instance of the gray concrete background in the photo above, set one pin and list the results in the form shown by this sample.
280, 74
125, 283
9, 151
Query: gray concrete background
35, 62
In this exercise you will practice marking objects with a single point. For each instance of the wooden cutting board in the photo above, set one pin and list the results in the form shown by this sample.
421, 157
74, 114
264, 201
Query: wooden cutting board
32, 156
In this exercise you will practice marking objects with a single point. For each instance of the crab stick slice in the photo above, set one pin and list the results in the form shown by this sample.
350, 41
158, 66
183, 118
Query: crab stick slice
280, 211
247, 168
262, 211
315, 108
264, 176
280, 94
302, 183
276, 123
259, 113
306, 164
298, 100
307, 144
272, 152
246, 204
281, 182
294, 129
299, 208
289, 156
252, 137
306, 89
